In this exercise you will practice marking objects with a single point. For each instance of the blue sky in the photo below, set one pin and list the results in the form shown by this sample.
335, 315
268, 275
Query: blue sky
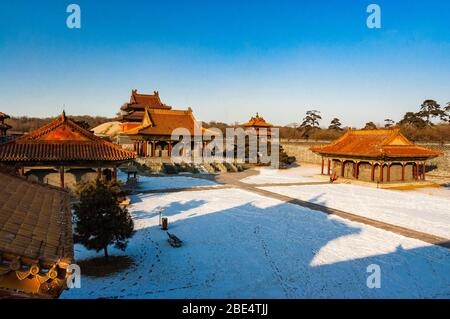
226, 59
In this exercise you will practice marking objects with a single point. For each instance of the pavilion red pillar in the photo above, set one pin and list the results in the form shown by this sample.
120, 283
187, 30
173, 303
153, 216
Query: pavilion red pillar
416, 171
380, 177
61, 176
388, 178
169, 149
22, 171
356, 170
372, 173
329, 167
153, 149
342, 168
423, 170
323, 163
403, 172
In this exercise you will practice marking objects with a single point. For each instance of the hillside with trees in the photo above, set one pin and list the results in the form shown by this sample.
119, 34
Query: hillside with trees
430, 123
27, 124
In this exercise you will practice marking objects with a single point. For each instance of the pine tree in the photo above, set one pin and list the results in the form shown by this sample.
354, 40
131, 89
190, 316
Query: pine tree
310, 122
99, 220
335, 124
370, 126
431, 109
447, 112
388, 123
413, 119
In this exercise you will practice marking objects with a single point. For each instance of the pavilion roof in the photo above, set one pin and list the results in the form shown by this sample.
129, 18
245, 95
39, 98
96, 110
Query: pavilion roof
164, 122
375, 144
62, 140
35, 220
141, 101
257, 121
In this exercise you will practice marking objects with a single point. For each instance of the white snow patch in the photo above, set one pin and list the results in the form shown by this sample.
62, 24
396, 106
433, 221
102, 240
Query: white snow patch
412, 210
239, 244
301, 174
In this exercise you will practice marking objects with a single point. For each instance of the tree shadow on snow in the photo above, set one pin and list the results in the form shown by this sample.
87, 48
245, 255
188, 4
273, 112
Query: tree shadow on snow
172, 209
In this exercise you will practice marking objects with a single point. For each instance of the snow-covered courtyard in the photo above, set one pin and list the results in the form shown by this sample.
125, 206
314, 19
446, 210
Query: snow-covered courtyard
412, 210
238, 244
300, 174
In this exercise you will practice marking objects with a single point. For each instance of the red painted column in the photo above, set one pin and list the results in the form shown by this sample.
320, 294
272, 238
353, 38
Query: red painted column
380, 178
372, 173
423, 171
388, 173
342, 168
153, 149
323, 163
357, 170
22, 171
114, 174
61, 176
99, 173
403, 172
416, 171
169, 149
329, 167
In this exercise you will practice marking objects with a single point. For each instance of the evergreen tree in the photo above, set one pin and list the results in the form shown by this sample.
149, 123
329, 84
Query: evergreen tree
99, 220
413, 119
431, 109
388, 123
310, 122
447, 112
335, 124
370, 126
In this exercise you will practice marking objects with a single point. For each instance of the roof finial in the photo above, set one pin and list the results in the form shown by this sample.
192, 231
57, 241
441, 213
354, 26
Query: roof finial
63, 115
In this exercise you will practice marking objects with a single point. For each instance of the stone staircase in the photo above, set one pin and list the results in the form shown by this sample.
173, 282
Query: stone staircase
167, 166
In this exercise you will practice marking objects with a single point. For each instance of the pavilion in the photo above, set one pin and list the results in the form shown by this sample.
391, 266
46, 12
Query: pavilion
147, 125
262, 130
380, 156
36, 245
257, 122
62, 153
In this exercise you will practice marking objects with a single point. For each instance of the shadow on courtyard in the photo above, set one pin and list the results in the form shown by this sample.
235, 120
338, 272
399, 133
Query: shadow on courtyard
281, 252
